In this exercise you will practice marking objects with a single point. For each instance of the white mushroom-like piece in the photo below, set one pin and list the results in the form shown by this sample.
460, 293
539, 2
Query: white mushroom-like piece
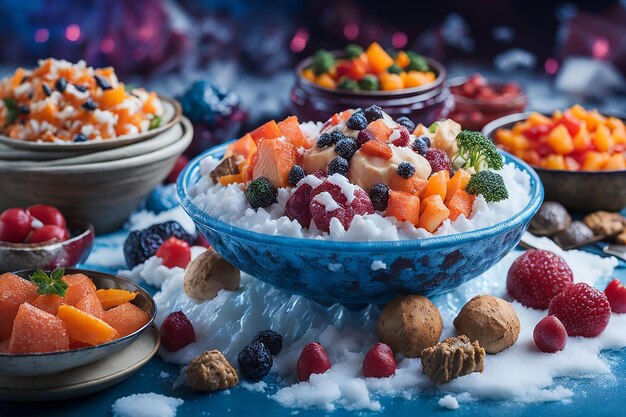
208, 274
445, 136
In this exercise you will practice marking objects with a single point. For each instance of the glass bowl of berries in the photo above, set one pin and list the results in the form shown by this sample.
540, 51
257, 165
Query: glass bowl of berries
41, 237
478, 101
403, 84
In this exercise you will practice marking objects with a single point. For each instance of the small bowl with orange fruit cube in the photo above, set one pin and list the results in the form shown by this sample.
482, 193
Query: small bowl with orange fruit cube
53, 321
579, 154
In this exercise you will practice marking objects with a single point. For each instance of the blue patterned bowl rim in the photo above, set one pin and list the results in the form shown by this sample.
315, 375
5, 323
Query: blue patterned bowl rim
191, 173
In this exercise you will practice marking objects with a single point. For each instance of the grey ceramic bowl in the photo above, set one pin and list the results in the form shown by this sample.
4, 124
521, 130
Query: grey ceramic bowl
582, 191
104, 193
33, 364
14, 256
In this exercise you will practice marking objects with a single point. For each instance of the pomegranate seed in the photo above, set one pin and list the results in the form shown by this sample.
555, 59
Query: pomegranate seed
177, 332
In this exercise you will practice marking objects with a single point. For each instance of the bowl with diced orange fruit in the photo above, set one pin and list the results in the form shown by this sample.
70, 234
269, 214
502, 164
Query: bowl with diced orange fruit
579, 154
53, 321
403, 83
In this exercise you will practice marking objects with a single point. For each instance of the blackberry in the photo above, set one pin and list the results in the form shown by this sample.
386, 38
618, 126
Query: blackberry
336, 136
142, 244
296, 174
345, 148
379, 195
406, 122
421, 145
102, 82
89, 105
406, 170
80, 138
372, 113
338, 165
46, 90
364, 136
60, 85
261, 193
324, 141
272, 340
255, 361
357, 121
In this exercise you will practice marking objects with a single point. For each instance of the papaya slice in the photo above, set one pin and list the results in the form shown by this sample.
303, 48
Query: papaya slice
274, 160
112, 297
91, 305
126, 318
290, 129
35, 331
84, 327
13, 292
403, 206
460, 203
269, 130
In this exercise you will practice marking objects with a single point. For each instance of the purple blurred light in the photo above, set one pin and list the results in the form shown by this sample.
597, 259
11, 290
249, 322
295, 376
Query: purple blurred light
42, 35
72, 32
351, 31
299, 40
399, 40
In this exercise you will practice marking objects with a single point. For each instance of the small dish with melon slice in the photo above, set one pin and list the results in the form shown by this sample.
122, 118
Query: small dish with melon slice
52, 321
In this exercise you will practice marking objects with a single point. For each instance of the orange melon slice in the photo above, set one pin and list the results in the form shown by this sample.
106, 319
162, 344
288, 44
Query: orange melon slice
35, 331
113, 297
84, 327
91, 305
274, 160
78, 287
126, 318
290, 129
269, 130
49, 303
13, 292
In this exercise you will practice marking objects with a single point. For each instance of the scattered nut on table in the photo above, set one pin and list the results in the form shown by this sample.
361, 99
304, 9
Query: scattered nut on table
551, 218
211, 371
208, 274
409, 324
491, 321
452, 358
604, 223
577, 234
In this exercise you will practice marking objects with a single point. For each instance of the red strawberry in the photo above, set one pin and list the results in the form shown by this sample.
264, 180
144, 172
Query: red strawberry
405, 137
174, 252
536, 277
379, 362
550, 334
583, 310
177, 331
616, 294
328, 201
312, 360
297, 207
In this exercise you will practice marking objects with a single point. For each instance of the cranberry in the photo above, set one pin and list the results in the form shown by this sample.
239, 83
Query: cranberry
550, 334
48, 232
177, 331
174, 252
15, 223
47, 215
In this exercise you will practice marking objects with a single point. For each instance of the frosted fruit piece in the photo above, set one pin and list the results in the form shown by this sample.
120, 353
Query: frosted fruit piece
35, 331
126, 318
49, 303
91, 305
13, 292
78, 287
4, 346
112, 297
84, 327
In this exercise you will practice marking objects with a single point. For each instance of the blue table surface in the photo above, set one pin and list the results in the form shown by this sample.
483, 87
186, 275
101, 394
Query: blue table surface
596, 396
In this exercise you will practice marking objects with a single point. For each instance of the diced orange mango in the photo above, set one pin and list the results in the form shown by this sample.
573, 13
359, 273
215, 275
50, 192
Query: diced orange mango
578, 111
35, 331
274, 160
231, 179
126, 318
13, 292
309, 74
615, 162
245, 146
269, 130
437, 184
560, 140
403, 59
594, 161
112, 297
602, 139
49, 303
434, 213
412, 185
390, 82
84, 327
380, 130
290, 129
536, 119
460, 203
417, 78
420, 130
112, 97
582, 139
377, 148
403, 206
90, 304
78, 286
554, 161
326, 81
458, 182
379, 59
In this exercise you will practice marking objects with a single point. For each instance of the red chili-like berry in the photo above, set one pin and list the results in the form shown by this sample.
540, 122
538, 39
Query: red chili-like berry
550, 335
379, 362
312, 360
616, 294
177, 332
15, 225
174, 252
48, 232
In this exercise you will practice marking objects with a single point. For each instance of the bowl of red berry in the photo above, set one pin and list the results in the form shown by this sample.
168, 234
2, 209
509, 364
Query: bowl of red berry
478, 100
40, 236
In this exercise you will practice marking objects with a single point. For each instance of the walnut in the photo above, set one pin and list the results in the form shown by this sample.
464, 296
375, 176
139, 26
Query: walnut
452, 358
604, 223
208, 274
409, 324
489, 320
211, 371
228, 166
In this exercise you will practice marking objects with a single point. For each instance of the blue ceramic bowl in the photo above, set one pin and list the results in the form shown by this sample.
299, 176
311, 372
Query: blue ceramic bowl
330, 272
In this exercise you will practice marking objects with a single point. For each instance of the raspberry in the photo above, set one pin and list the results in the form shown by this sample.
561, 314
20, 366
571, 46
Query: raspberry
550, 335
272, 340
297, 207
438, 160
583, 310
296, 174
361, 204
421, 144
379, 196
261, 193
364, 136
404, 139
142, 244
15, 224
255, 361
177, 332
47, 215
345, 148
406, 122
616, 294
405, 170
379, 362
372, 113
319, 174
324, 141
174, 252
536, 277
180, 163
313, 360
357, 121
338, 165
47, 233
328, 201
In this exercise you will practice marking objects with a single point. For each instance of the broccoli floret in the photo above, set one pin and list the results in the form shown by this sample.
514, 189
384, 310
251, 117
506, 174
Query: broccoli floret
261, 193
323, 61
394, 69
353, 51
347, 83
417, 63
369, 83
489, 184
477, 151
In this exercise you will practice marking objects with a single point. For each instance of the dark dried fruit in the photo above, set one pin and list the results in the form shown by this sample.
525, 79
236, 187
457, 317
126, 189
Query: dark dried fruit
272, 340
255, 361
142, 244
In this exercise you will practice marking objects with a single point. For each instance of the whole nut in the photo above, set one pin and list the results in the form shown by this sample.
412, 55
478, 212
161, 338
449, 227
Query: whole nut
490, 320
604, 223
410, 324
211, 371
452, 358
208, 274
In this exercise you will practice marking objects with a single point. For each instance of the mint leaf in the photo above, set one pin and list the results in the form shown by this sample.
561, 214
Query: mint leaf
50, 284
12, 111
155, 122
